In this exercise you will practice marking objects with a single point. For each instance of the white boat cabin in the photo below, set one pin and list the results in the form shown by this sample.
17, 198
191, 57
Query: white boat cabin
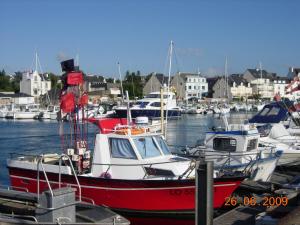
142, 156
153, 100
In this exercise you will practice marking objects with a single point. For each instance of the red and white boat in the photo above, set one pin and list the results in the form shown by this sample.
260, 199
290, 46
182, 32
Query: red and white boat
134, 174
130, 170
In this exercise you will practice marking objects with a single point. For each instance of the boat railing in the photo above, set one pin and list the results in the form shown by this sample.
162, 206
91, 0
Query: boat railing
9, 187
40, 164
33, 218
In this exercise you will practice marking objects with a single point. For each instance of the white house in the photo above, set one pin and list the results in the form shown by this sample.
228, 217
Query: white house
34, 84
189, 85
280, 85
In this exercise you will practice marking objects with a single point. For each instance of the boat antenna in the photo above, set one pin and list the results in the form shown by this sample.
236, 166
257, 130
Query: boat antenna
120, 75
226, 79
168, 87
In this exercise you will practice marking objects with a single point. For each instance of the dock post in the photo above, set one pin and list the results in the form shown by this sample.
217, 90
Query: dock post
204, 193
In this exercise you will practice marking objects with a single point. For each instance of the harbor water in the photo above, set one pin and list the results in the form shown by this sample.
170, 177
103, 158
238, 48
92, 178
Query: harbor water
32, 137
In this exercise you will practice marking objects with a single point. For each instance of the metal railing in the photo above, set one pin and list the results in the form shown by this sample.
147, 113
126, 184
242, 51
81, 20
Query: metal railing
40, 164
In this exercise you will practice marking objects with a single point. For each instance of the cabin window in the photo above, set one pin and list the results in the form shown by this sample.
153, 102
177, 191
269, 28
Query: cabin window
162, 144
274, 111
146, 147
264, 112
251, 144
156, 104
224, 144
121, 148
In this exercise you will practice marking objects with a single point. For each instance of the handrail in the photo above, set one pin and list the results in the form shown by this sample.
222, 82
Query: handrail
73, 170
20, 216
38, 177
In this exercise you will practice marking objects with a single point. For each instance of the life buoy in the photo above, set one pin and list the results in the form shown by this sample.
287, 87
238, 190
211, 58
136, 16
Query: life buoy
132, 131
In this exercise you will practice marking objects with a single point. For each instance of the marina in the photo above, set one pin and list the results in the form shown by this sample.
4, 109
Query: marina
149, 113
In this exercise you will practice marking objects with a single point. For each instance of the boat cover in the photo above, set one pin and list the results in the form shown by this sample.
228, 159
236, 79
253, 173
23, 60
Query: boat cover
272, 113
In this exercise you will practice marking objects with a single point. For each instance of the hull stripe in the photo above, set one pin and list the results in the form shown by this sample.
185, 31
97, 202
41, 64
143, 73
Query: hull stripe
121, 189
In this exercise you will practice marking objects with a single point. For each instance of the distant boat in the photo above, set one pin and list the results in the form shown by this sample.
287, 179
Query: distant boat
150, 106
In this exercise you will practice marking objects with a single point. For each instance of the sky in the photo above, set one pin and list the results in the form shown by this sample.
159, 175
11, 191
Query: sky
137, 34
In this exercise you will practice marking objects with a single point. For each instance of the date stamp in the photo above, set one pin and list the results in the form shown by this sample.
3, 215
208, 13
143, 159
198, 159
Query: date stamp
267, 201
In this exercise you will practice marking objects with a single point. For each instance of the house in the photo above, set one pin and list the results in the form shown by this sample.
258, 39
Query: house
155, 82
16, 98
221, 89
239, 87
210, 83
97, 88
280, 84
261, 82
293, 72
35, 84
189, 85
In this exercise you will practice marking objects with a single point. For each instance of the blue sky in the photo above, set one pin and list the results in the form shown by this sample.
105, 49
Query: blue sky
137, 34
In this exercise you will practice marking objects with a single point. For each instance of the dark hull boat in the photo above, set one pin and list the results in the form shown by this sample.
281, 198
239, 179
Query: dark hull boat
151, 113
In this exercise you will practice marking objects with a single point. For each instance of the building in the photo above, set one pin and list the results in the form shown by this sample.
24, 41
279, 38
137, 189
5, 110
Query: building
221, 89
16, 98
280, 84
261, 82
189, 85
155, 82
99, 89
293, 72
239, 87
34, 84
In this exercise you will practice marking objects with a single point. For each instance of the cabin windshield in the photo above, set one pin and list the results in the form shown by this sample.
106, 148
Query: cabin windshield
251, 145
224, 144
147, 147
142, 104
121, 148
162, 144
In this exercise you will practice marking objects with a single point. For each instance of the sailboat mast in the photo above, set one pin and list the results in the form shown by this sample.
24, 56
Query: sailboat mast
168, 88
120, 75
36, 61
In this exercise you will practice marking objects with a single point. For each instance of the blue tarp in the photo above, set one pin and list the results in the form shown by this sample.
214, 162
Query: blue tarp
272, 113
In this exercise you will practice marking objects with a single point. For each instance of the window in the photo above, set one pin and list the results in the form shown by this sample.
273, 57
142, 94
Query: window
224, 144
146, 147
156, 104
190, 87
203, 87
162, 144
274, 111
121, 148
251, 145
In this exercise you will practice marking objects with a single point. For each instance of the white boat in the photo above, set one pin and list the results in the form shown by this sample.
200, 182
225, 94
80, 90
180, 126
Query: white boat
23, 112
4, 110
49, 114
278, 136
150, 106
236, 148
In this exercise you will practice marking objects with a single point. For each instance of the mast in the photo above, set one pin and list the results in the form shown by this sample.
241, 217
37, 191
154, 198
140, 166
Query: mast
36, 61
168, 88
226, 79
120, 75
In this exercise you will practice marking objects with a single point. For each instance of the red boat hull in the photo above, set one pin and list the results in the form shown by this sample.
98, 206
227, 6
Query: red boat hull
163, 199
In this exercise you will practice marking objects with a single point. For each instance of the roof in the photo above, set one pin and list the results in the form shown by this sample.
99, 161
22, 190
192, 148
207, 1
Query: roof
161, 77
14, 95
184, 75
237, 78
212, 80
94, 78
257, 73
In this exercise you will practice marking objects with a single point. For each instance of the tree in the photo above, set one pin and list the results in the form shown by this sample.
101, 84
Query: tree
133, 84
